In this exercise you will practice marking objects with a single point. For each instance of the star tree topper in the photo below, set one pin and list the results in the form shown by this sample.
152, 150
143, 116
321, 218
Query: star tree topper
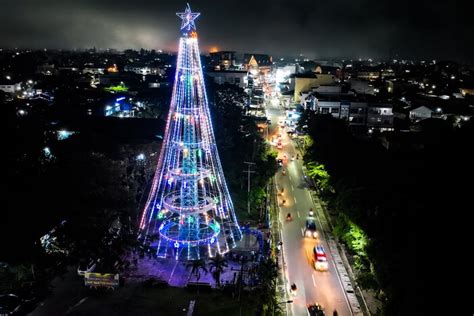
188, 18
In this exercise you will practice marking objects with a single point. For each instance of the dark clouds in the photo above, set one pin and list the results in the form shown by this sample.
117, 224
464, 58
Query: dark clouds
316, 28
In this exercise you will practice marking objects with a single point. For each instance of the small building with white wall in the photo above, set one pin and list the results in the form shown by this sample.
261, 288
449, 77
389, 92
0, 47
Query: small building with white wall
235, 77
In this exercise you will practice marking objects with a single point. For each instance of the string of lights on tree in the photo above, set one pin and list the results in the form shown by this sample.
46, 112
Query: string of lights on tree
189, 205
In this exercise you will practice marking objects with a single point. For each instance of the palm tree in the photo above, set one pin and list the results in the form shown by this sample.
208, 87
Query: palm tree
267, 271
196, 267
217, 265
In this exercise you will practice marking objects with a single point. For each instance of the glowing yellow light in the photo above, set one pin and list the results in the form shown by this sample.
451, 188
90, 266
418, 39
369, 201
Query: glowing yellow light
112, 68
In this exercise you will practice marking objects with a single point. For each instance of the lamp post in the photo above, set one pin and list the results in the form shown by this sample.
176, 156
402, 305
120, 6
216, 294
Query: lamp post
284, 302
249, 164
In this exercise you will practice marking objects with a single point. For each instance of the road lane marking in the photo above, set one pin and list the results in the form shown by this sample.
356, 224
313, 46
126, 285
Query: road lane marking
314, 282
292, 188
302, 231
297, 212
323, 233
294, 199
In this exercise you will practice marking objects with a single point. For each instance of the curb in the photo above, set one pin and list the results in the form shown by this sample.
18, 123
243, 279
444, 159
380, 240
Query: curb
347, 275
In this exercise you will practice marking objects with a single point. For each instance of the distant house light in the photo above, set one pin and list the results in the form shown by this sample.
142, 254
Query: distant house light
63, 134
47, 151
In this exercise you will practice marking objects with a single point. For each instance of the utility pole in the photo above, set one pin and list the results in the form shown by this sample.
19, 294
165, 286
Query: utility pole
249, 164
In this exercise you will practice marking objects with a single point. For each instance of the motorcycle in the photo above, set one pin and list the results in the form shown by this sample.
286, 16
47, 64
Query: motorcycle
293, 289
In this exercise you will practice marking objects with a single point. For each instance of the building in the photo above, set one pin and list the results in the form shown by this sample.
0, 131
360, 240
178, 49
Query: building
282, 77
467, 91
9, 85
358, 112
306, 82
329, 70
362, 86
93, 70
258, 62
121, 108
223, 60
368, 73
420, 113
144, 70
46, 69
235, 77
323, 89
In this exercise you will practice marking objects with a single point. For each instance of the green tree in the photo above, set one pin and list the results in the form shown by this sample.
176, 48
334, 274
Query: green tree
267, 272
320, 175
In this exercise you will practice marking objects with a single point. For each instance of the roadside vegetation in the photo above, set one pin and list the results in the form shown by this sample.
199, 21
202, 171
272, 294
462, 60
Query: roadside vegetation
379, 200
239, 140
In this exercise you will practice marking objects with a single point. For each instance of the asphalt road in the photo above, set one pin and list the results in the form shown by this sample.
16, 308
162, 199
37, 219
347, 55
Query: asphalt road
313, 286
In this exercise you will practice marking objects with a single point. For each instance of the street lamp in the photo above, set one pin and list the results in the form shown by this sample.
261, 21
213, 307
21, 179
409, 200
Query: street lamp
284, 302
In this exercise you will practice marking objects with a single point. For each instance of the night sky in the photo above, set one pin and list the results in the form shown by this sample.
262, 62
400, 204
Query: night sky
315, 28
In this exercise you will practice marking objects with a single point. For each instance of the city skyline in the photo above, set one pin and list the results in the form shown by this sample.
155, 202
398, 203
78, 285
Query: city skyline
340, 29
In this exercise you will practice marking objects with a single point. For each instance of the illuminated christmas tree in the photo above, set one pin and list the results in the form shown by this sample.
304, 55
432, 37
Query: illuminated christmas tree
189, 206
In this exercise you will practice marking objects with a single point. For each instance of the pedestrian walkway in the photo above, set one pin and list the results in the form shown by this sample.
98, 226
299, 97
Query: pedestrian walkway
281, 288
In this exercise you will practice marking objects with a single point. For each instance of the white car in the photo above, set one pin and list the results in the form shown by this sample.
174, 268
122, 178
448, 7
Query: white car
320, 259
